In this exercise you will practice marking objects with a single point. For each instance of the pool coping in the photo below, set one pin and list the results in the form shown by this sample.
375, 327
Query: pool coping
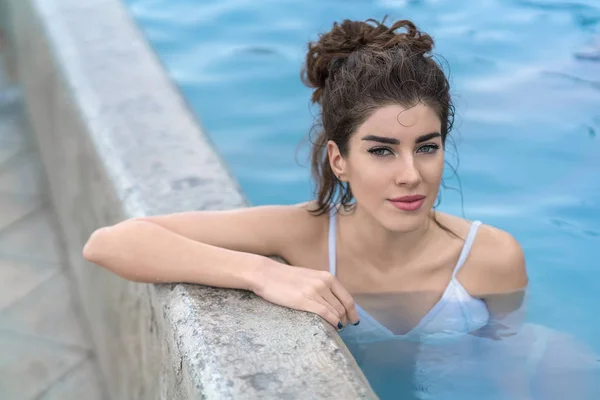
118, 141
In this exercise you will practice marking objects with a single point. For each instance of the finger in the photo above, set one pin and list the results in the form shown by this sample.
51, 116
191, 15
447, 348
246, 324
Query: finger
334, 302
347, 301
324, 312
339, 315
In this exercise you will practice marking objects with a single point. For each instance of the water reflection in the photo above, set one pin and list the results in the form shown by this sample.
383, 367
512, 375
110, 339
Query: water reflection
507, 358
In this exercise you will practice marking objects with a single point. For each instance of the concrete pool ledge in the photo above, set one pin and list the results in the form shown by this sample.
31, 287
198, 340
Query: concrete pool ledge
118, 141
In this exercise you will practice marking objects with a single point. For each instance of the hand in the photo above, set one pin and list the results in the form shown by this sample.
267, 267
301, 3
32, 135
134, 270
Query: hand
306, 289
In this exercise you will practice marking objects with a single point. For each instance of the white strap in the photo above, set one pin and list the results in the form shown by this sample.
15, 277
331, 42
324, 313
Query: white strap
467, 246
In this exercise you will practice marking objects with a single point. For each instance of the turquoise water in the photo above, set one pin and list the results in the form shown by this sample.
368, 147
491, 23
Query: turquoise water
526, 82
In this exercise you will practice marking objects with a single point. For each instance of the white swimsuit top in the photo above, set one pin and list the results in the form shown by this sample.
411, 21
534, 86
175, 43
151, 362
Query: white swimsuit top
457, 312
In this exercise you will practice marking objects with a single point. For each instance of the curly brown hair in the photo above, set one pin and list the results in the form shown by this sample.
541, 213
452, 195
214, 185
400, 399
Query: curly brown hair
356, 68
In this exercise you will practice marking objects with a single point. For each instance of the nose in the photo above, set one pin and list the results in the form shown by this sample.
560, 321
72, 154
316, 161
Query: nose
407, 173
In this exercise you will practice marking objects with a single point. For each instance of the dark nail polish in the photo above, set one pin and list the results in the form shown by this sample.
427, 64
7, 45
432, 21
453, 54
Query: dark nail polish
340, 326
356, 323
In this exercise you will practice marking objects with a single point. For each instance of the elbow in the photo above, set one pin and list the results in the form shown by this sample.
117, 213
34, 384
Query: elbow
112, 247
103, 240
96, 244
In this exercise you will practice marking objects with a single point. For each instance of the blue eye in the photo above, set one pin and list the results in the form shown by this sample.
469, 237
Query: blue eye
428, 148
380, 151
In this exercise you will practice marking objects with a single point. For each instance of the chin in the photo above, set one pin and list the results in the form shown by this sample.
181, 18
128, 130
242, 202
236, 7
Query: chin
400, 221
405, 223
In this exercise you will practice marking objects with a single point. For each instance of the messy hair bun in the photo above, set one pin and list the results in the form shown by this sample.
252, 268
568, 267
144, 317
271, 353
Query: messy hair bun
357, 67
343, 39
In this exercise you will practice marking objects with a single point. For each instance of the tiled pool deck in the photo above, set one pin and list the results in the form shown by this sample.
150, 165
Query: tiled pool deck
45, 350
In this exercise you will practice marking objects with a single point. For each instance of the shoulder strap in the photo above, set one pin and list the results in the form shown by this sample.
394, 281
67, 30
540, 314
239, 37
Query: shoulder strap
331, 242
466, 246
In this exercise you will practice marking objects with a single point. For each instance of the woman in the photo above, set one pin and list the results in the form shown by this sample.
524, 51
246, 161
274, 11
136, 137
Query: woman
372, 237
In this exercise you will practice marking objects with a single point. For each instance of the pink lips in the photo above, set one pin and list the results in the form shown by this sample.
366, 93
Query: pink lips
408, 203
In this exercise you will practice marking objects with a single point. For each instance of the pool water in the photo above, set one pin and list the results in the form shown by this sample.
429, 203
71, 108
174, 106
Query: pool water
526, 84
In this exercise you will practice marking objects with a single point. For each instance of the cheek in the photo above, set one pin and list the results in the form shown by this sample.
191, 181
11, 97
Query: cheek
433, 169
366, 175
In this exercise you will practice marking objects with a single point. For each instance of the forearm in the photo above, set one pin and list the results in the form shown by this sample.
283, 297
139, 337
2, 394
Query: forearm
145, 252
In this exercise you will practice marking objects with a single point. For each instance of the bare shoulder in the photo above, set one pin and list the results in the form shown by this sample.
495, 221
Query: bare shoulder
309, 236
300, 224
496, 263
298, 234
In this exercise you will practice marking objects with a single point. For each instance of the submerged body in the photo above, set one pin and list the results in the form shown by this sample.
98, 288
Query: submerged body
456, 311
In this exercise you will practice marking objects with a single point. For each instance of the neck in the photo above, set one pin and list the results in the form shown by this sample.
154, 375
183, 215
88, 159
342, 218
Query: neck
369, 240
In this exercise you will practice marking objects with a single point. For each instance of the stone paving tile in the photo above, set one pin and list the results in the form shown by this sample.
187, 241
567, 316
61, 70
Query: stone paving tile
33, 236
23, 175
11, 117
44, 350
82, 383
30, 367
8, 150
14, 207
19, 277
48, 312
3, 78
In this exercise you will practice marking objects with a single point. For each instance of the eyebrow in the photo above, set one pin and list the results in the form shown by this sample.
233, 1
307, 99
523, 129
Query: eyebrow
393, 141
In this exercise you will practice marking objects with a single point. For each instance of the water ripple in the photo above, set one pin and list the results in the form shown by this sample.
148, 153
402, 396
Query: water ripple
573, 79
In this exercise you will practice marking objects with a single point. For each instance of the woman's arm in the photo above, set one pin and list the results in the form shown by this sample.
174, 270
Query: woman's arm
225, 249
184, 247
146, 252
497, 274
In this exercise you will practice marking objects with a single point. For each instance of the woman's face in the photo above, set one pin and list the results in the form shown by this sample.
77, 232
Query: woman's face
394, 165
